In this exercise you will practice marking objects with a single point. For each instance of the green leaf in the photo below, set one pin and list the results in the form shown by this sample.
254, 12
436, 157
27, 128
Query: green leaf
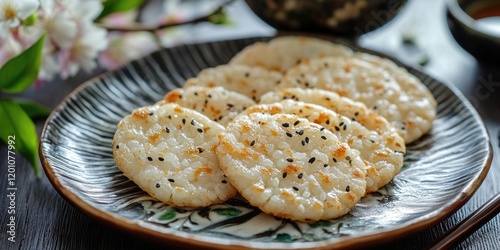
20, 72
284, 238
230, 211
320, 223
219, 18
33, 109
168, 215
19, 131
115, 6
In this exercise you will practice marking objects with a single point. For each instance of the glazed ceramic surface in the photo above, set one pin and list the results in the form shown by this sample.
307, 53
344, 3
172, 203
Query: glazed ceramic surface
441, 171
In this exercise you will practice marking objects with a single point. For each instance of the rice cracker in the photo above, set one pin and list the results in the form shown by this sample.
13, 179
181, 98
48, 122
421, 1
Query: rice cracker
264, 159
168, 151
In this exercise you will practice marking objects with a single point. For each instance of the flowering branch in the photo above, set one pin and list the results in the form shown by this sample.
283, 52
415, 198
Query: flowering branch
217, 17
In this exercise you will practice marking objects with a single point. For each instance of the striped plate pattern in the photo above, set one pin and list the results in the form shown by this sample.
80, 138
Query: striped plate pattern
442, 169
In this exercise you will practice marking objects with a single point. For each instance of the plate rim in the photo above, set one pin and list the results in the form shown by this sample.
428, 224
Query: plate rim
133, 227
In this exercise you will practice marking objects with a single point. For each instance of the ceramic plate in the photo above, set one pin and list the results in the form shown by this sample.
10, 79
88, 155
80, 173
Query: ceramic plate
442, 169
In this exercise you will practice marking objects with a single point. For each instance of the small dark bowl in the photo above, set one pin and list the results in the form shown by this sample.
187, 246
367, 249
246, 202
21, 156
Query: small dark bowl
469, 33
335, 17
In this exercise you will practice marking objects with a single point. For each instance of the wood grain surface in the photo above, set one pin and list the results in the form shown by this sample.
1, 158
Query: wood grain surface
44, 220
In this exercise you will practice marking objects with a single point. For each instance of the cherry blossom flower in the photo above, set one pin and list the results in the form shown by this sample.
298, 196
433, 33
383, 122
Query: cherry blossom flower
12, 12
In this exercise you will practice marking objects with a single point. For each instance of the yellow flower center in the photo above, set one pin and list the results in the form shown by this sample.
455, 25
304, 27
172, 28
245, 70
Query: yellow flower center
10, 12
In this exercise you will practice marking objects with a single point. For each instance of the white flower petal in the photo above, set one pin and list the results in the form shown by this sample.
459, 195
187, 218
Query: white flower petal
26, 7
62, 30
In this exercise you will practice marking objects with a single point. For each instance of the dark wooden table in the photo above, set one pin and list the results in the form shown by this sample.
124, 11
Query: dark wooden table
46, 221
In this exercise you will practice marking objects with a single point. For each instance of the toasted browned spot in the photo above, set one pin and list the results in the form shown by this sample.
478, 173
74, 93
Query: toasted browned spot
321, 119
340, 152
382, 154
200, 171
286, 195
140, 114
257, 188
350, 196
154, 137
178, 109
265, 172
274, 133
358, 174
215, 111
172, 96
324, 177
291, 168
245, 128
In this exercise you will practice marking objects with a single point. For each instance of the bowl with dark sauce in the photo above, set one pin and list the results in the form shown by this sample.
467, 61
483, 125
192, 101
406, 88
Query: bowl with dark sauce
335, 17
475, 26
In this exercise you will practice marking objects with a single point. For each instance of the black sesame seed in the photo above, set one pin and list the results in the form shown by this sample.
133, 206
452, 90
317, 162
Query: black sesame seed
300, 132
306, 84
247, 74
345, 127
303, 143
278, 82
372, 141
206, 101
312, 160
327, 122
199, 130
348, 158
117, 146
167, 130
150, 158
325, 165
252, 143
171, 180
161, 159
337, 128
299, 61
307, 139
296, 123
334, 160
300, 175
192, 122
157, 185
323, 137
321, 129
220, 118
196, 93
151, 113
230, 105
327, 98
347, 189
286, 125
288, 134
224, 181
289, 160
284, 175
169, 117
357, 113
183, 121
374, 107
340, 124
209, 96
296, 188
200, 150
